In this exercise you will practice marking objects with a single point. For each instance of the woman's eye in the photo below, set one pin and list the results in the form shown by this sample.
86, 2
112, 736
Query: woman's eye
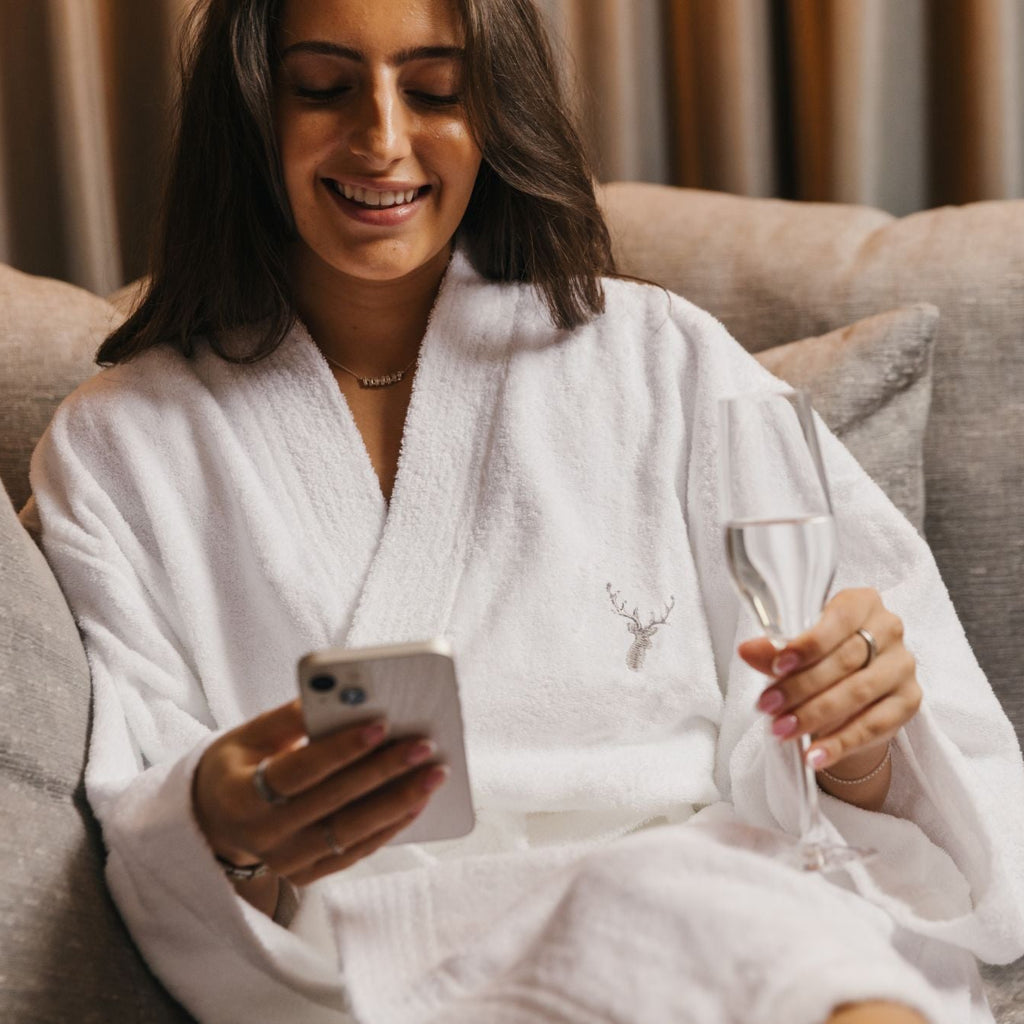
321, 95
433, 99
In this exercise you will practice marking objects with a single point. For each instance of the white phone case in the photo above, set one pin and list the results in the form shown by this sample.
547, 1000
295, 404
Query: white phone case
415, 687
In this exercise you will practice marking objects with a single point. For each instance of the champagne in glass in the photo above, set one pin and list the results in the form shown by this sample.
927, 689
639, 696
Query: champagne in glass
780, 540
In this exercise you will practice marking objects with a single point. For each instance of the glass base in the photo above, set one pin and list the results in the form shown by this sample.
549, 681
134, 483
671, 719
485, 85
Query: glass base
806, 855
801, 854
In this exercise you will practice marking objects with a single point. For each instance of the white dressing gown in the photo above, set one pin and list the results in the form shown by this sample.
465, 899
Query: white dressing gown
210, 523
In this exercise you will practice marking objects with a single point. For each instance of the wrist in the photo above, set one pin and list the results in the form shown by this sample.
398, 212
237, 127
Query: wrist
263, 892
862, 767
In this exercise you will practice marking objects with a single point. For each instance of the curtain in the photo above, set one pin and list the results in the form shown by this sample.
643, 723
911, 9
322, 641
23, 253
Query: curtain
86, 91
901, 104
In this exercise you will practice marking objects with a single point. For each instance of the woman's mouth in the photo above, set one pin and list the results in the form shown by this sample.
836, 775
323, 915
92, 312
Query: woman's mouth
372, 199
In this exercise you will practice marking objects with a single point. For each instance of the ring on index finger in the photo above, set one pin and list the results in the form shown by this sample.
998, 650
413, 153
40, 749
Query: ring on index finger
872, 647
264, 788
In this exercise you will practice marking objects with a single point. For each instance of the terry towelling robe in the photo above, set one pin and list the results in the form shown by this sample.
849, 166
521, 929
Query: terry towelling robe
555, 515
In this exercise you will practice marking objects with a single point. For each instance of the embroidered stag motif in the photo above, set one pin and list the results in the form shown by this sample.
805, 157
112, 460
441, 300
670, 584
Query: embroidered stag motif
641, 634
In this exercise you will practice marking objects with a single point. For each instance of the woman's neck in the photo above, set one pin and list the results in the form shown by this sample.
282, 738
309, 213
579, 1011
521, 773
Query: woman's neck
372, 327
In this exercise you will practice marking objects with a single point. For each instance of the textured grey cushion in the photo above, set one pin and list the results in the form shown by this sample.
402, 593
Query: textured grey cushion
49, 333
773, 270
1004, 987
64, 954
871, 382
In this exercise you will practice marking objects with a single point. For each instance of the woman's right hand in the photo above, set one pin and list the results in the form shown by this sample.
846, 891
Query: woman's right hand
344, 795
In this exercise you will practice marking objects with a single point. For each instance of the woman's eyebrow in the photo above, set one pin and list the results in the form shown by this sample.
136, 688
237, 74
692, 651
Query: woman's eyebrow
401, 57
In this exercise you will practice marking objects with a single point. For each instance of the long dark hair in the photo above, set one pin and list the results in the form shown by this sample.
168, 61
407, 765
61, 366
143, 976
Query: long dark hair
219, 258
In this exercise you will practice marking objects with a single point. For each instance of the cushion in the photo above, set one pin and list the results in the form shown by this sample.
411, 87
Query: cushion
65, 954
1004, 987
49, 333
871, 383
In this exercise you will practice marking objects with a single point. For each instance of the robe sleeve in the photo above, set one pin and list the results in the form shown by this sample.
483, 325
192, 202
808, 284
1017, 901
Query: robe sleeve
950, 837
223, 960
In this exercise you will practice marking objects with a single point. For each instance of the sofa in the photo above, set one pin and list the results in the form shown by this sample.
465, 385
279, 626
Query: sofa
908, 332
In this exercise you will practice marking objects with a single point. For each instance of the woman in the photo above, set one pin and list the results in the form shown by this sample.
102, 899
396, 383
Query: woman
378, 391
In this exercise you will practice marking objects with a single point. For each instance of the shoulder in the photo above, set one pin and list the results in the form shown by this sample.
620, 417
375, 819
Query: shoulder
646, 303
157, 408
135, 391
671, 333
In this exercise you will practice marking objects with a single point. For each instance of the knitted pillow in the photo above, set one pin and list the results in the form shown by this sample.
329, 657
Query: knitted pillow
871, 382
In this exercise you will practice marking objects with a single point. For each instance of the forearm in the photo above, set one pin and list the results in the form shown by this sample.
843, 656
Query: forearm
861, 779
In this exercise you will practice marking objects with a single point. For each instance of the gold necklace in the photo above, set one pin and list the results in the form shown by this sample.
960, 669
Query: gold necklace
386, 381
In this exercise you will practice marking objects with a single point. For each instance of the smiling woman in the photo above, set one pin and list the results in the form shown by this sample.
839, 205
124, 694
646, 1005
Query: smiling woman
531, 214
384, 387
369, 112
379, 163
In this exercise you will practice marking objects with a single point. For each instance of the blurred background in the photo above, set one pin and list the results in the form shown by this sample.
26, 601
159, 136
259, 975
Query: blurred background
900, 104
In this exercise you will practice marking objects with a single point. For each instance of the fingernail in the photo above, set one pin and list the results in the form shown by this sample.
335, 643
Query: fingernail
423, 751
374, 733
816, 757
416, 811
785, 663
770, 701
436, 777
785, 726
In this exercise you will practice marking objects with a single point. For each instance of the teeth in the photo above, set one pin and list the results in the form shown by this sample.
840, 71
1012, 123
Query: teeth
369, 197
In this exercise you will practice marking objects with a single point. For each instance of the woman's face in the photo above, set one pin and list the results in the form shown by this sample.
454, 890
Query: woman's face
378, 159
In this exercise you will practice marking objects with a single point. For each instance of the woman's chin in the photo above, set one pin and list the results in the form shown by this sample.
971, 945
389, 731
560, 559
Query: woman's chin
382, 262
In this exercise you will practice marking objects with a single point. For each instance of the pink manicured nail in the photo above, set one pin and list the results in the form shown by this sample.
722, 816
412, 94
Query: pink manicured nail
423, 751
817, 757
770, 701
785, 663
436, 778
785, 726
373, 734
416, 811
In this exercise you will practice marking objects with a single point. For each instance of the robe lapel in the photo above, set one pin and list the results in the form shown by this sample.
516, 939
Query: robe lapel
326, 481
411, 585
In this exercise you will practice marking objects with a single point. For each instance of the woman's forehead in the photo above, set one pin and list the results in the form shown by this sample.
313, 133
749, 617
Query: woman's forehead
403, 22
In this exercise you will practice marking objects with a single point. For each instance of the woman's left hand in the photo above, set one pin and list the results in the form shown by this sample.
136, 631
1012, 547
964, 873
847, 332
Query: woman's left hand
830, 684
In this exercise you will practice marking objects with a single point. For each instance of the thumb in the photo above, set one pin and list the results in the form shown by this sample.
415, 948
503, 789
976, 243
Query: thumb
758, 653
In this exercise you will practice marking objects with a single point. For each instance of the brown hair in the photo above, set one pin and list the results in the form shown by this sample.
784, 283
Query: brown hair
219, 258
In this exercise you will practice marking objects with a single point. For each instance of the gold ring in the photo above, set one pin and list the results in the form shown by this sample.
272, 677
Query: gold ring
872, 648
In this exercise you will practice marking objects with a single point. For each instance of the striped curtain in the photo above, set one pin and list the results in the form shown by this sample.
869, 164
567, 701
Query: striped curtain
901, 104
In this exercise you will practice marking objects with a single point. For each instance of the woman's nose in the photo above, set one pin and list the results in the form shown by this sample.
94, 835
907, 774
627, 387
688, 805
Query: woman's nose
381, 135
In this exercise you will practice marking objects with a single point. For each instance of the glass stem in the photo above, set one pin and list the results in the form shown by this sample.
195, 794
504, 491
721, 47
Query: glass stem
812, 827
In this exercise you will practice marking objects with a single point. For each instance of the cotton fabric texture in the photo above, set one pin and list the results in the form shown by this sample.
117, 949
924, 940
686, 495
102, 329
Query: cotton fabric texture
210, 523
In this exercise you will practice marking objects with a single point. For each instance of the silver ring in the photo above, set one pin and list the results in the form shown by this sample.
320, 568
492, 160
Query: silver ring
872, 648
264, 788
332, 840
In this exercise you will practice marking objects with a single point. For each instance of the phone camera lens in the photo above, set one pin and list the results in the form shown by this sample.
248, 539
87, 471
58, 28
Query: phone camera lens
353, 695
321, 683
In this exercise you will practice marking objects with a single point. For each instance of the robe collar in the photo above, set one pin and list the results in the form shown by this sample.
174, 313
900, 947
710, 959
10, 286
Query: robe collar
402, 563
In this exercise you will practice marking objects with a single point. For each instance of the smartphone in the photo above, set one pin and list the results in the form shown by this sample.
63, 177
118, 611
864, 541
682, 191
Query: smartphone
415, 687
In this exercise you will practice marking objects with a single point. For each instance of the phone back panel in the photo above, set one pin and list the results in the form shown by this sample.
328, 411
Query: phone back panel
415, 687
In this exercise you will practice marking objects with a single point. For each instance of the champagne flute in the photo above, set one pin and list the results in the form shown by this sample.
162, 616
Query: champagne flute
780, 540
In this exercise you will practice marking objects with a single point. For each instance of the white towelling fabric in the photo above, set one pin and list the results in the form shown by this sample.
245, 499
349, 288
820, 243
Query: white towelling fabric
210, 523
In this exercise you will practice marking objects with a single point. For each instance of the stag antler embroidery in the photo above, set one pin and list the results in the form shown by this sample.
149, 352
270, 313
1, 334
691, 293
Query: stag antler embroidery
641, 634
